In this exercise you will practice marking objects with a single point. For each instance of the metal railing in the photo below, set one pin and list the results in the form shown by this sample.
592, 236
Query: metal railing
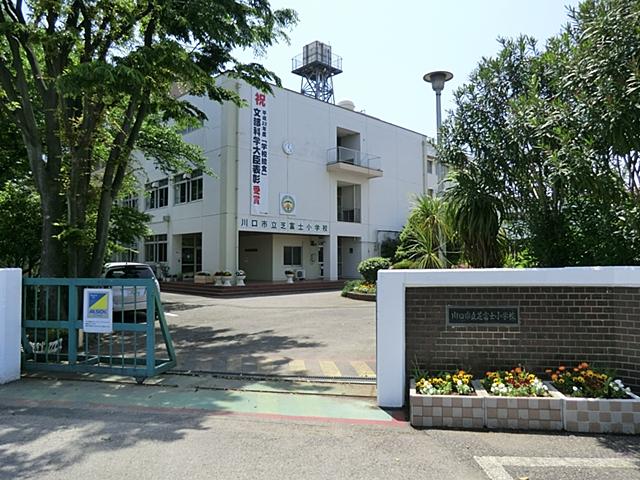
353, 157
349, 215
53, 339
324, 58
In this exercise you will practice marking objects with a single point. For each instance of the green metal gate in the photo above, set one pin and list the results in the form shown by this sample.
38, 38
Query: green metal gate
53, 340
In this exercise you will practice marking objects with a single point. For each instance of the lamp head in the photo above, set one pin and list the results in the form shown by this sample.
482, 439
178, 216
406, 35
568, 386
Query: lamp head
437, 79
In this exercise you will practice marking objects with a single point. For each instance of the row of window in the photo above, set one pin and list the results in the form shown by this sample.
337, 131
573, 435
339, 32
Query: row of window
155, 250
187, 188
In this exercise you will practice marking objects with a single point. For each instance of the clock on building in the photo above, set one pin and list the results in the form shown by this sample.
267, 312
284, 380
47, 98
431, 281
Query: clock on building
287, 147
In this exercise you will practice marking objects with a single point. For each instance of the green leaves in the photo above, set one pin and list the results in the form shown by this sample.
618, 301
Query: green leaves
89, 83
547, 141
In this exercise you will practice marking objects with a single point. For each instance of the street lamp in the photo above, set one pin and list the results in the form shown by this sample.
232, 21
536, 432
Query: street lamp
437, 80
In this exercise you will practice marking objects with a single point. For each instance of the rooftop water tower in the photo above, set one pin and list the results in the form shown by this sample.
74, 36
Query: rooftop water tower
317, 66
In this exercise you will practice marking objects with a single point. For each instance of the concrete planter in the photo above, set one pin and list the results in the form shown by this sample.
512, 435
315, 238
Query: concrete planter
367, 297
522, 413
454, 411
601, 415
203, 279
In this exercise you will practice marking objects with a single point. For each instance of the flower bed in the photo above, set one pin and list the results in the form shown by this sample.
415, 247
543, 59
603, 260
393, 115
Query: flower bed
596, 402
445, 400
517, 399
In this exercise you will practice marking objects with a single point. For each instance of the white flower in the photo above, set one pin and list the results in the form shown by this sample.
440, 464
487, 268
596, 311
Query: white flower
575, 389
616, 388
618, 381
459, 382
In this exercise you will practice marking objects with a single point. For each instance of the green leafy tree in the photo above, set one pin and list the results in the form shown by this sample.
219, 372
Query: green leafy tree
19, 225
476, 216
552, 137
87, 82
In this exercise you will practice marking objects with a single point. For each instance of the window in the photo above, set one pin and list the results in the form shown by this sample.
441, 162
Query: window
293, 256
155, 248
429, 166
348, 203
157, 194
130, 201
188, 187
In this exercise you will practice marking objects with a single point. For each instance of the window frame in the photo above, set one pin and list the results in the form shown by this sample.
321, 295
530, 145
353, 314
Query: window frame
294, 251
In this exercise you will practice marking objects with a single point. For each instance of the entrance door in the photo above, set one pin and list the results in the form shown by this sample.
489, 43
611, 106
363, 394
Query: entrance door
191, 253
321, 260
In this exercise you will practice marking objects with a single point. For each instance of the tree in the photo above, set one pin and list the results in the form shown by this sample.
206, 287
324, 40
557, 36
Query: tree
87, 82
426, 233
552, 136
19, 225
476, 216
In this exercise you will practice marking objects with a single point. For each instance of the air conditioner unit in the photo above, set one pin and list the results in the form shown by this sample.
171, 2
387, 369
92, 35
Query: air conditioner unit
155, 184
300, 274
186, 176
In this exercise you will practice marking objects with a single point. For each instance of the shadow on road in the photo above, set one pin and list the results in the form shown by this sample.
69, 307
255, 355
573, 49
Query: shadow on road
210, 349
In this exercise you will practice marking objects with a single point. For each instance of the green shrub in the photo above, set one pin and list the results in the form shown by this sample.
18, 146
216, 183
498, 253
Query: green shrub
369, 268
358, 286
404, 264
349, 286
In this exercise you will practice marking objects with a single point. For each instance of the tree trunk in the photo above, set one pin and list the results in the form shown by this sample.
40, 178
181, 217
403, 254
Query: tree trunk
52, 262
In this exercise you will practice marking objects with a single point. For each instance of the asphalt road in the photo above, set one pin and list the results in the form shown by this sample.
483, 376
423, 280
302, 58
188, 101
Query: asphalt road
62, 443
313, 334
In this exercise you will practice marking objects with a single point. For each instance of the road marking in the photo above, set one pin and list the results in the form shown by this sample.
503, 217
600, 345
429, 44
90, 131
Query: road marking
494, 466
329, 368
362, 369
297, 366
169, 314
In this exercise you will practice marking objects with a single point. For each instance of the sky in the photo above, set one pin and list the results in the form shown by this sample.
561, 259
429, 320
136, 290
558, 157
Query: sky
386, 47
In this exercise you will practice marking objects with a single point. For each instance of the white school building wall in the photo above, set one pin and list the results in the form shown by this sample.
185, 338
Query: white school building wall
333, 234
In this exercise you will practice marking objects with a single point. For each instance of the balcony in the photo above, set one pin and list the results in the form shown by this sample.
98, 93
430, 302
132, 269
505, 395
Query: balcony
341, 159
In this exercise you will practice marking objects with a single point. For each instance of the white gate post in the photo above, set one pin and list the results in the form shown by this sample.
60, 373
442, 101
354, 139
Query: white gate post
10, 323
390, 341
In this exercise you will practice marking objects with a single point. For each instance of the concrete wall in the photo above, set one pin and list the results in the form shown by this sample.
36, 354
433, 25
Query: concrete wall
583, 314
10, 323
558, 326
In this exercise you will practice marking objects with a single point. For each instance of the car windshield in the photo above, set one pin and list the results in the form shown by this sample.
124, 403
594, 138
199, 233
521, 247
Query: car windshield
129, 271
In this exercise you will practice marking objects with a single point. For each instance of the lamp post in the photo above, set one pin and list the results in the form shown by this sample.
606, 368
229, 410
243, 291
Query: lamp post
437, 80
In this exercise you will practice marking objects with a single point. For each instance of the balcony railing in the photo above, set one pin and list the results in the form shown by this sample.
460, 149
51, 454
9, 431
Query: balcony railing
353, 157
349, 215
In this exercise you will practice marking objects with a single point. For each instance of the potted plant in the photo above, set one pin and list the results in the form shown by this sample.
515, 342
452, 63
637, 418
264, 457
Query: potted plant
218, 278
202, 277
226, 278
596, 401
289, 274
518, 399
240, 276
445, 399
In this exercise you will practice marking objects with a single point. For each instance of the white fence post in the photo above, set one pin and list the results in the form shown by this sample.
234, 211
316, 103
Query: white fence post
10, 323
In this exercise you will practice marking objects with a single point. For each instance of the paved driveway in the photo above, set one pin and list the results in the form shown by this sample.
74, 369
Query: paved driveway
318, 334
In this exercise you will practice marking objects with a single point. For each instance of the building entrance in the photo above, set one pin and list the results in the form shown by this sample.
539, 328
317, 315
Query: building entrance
191, 254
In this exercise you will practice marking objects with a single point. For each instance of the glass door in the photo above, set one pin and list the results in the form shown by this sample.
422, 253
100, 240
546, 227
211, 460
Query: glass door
191, 254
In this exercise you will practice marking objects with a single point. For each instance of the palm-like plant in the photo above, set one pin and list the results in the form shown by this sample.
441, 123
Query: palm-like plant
476, 216
426, 233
